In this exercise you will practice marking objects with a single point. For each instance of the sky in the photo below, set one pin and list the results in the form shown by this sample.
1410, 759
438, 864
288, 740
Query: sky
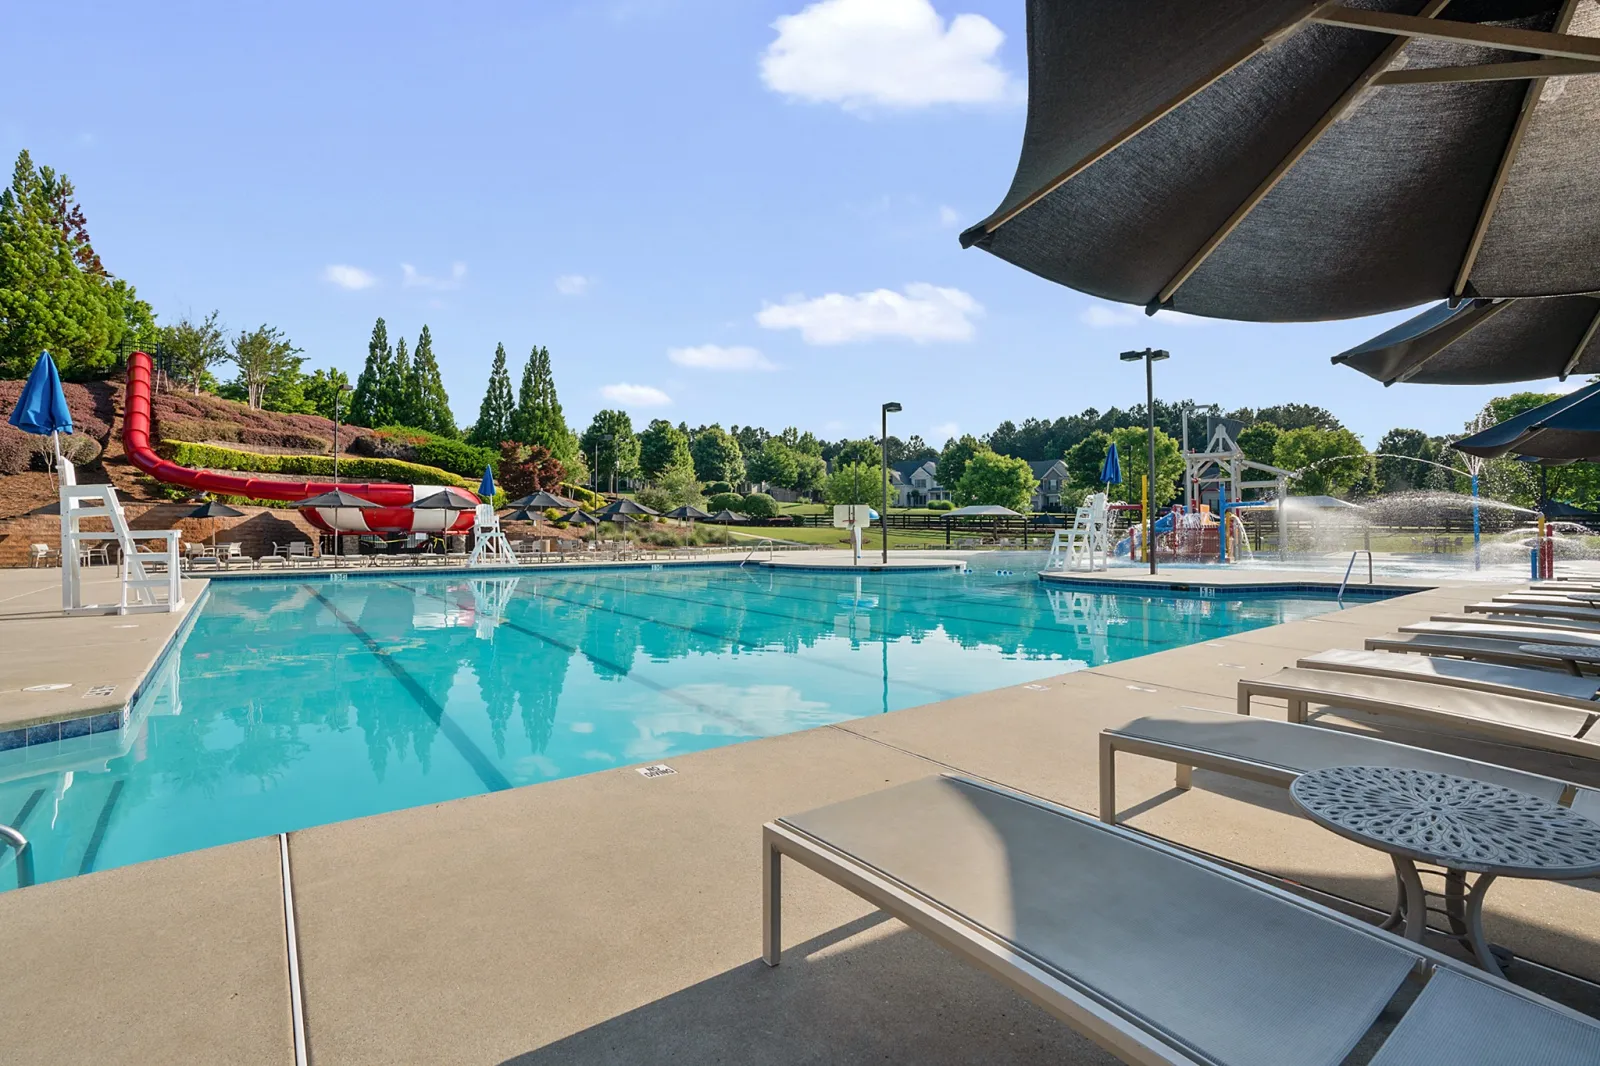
734, 211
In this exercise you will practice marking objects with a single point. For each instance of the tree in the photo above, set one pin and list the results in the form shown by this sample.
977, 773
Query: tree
366, 401
53, 290
1396, 465
717, 456
858, 451
263, 356
538, 418
679, 485
953, 460
194, 348
662, 446
610, 444
1288, 416
1259, 442
801, 443
430, 403
494, 414
917, 450
526, 469
1087, 459
1000, 480
774, 464
855, 483
1328, 461
809, 472
750, 438
320, 389
395, 399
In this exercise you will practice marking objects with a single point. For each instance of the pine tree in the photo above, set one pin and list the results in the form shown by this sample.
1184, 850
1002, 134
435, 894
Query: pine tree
432, 403
538, 418
365, 402
494, 414
394, 403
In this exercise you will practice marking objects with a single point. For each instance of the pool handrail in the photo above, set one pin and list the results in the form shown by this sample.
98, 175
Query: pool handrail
24, 850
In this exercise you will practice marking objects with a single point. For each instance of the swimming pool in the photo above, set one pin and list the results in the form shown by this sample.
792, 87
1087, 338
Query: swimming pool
294, 702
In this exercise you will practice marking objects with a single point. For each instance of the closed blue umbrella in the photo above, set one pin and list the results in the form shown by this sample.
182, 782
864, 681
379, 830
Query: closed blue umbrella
486, 487
1111, 472
42, 407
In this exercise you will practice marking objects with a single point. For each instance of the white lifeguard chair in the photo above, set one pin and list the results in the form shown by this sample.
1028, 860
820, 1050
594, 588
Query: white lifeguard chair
490, 547
141, 591
1087, 545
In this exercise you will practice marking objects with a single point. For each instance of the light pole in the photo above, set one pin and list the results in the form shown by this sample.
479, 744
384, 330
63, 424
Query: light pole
598, 438
1151, 356
338, 391
883, 518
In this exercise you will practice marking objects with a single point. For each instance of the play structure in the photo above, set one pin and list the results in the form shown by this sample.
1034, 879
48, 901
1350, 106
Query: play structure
393, 514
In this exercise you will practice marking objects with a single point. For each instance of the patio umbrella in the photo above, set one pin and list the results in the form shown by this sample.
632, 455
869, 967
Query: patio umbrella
579, 517
1277, 160
214, 509
1111, 472
524, 514
335, 500
626, 506
541, 499
1486, 342
726, 516
1564, 428
42, 408
442, 500
688, 512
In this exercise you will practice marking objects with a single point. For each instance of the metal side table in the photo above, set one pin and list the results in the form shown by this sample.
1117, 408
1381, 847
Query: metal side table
1457, 824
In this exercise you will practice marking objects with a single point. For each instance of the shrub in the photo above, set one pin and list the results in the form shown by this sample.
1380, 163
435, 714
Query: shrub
212, 457
759, 505
941, 505
419, 446
589, 501
725, 501
455, 456
654, 498
551, 514
527, 468
717, 487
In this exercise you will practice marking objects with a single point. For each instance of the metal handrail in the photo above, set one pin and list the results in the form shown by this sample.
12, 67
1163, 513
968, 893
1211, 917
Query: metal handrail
10, 836
1359, 551
771, 549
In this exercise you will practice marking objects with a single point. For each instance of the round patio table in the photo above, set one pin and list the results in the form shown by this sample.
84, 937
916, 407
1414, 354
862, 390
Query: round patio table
1454, 823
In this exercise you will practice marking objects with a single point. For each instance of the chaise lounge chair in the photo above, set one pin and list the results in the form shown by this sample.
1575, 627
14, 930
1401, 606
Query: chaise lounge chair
1155, 954
1499, 629
1477, 649
1527, 723
1518, 618
1275, 753
1524, 681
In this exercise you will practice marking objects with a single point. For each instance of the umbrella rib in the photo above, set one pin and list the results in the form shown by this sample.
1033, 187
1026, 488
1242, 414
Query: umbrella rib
1555, 44
1519, 129
1479, 72
1139, 125
1577, 353
1346, 101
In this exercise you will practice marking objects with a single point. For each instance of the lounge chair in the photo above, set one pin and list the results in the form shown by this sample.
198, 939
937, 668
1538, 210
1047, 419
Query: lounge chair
1275, 753
1527, 723
1519, 618
1536, 609
1153, 953
1513, 633
1478, 649
1524, 681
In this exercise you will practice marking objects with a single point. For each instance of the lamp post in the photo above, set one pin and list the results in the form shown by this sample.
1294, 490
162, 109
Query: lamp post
338, 391
883, 518
1151, 356
607, 437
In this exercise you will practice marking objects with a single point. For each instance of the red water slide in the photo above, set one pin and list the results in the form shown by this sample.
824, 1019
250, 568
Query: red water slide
393, 515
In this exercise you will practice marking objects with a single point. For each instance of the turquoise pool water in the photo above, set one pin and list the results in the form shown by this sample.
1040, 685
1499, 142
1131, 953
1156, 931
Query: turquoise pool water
296, 702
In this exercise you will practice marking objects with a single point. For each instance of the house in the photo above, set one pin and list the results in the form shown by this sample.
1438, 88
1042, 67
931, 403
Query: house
916, 483
1052, 477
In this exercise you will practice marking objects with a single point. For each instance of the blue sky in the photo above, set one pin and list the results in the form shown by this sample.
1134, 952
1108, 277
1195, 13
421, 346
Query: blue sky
709, 210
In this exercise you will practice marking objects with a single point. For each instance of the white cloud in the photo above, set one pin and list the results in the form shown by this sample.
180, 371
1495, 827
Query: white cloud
944, 431
886, 53
573, 284
348, 277
635, 395
1110, 316
716, 357
949, 217
413, 280
922, 313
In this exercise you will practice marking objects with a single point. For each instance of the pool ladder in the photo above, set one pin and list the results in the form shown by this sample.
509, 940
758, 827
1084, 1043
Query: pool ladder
1352, 566
772, 549
10, 836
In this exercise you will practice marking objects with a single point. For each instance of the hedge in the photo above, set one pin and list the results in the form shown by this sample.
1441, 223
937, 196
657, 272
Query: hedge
208, 456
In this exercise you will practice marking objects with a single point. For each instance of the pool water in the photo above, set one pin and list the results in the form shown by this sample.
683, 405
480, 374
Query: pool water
297, 702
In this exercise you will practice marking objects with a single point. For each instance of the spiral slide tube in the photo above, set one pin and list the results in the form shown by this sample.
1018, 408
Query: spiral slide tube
393, 515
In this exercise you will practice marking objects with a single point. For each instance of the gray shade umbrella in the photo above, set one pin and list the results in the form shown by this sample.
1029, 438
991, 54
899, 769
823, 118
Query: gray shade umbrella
687, 511
626, 506
336, 498
1486, 342
726, 515
442, 501
579, 517
1277, 160
1566, 428
540, 500
214, 509
523, 514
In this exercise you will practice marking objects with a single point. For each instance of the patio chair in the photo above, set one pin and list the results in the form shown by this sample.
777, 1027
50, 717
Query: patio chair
233, 552
1528, 723
1155, 954
297, 552
1499, 629
1536, 609
42, 555
1275, 753
1526, 681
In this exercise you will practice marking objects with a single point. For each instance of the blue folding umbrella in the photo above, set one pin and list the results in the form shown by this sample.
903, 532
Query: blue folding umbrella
1111, 472
486, 487
42, 407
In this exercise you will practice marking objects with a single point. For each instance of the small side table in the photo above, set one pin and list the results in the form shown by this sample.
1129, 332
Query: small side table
1576, 656
1455, 823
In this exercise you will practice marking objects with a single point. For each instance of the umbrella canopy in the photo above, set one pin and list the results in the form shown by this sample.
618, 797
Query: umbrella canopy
687, 511
541, 499
1564, 428
215, 509
486, 486
443, 500
984, 509
1486, 342
1111, 472
1274, 160
42, 407
523, 514
626, 506
726, 515
335, 498
579, 517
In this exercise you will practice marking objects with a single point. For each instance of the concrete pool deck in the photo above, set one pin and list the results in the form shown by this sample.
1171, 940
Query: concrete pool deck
615, 918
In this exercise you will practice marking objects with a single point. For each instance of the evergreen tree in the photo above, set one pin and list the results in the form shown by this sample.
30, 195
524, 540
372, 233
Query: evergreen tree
365, 402
394, 394
538, 418
432, 405
494, 414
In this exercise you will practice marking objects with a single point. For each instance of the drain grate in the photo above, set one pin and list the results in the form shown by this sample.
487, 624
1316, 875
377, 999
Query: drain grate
659, 769
101, 690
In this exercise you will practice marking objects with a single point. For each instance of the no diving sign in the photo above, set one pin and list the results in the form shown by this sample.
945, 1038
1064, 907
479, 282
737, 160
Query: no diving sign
659, 769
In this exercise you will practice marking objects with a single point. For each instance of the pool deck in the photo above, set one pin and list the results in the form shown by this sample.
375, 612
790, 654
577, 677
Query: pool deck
614, 918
